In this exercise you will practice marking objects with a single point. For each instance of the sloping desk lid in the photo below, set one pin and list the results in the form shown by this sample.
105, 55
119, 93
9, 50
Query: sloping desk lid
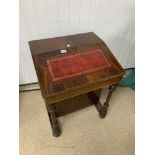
74, 65
85, 60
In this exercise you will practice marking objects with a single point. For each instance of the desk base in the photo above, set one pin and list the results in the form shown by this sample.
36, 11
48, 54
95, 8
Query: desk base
76, 103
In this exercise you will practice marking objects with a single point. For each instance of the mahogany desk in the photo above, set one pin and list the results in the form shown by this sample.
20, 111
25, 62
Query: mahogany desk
70, 67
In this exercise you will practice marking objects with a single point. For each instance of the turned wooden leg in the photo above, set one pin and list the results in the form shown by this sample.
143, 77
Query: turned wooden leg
92, 96
103, 112
54, 123
102, 109
111, 89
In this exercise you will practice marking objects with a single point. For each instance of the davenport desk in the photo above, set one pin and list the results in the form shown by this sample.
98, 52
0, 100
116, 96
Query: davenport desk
69, 67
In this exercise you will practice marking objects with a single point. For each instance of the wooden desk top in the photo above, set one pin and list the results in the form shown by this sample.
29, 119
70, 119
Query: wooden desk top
72, 65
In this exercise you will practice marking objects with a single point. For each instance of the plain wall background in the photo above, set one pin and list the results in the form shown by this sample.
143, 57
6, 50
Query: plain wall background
112, 20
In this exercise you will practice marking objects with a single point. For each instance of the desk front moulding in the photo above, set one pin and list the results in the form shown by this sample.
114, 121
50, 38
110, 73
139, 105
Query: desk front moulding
71, 71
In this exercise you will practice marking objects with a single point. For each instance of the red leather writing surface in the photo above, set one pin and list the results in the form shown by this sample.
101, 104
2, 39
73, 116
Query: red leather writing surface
76, 64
